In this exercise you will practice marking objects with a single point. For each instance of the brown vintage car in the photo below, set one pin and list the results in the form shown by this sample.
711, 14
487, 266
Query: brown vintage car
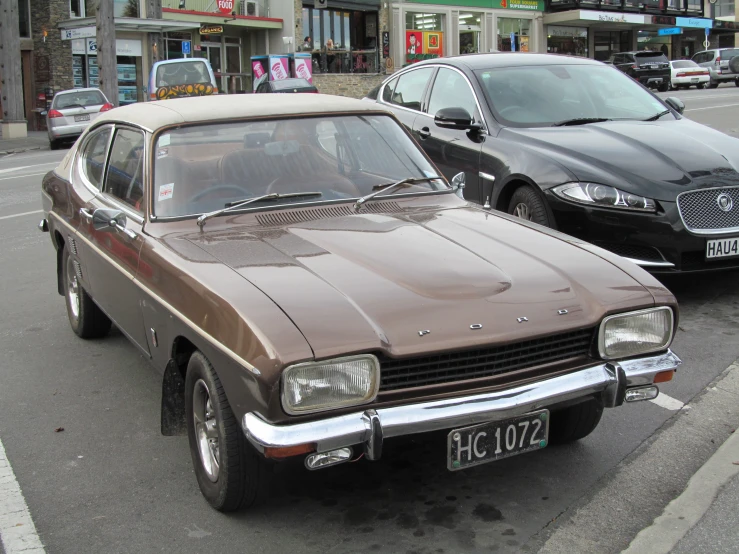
309, 286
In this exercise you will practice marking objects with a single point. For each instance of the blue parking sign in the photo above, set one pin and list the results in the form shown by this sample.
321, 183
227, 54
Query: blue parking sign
185, 46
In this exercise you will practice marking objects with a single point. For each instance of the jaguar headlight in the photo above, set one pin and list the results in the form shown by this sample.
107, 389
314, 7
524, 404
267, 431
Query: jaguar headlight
318, 386
634, 333
604, 196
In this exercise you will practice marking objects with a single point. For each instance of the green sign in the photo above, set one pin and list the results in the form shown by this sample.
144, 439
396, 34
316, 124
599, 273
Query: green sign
529, 5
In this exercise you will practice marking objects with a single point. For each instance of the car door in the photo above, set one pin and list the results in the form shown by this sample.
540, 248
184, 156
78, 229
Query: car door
406, 98
114, 249
452, 150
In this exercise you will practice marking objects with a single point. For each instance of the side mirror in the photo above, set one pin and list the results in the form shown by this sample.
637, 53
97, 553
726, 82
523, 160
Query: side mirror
676, 104
455, 118
458, 184
108, 220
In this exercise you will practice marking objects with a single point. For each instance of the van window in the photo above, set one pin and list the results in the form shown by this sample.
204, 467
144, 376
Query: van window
184, 73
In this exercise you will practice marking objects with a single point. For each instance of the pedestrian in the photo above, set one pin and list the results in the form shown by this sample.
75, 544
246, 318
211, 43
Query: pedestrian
307, 44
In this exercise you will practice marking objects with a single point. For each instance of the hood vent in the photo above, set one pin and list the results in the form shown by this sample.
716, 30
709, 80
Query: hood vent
314, 214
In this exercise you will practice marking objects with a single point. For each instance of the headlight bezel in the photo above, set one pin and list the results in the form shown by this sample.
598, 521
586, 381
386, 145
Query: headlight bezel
649, 205
666, 343
368, 398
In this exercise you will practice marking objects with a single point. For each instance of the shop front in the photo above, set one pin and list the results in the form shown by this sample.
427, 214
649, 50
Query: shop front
565, 40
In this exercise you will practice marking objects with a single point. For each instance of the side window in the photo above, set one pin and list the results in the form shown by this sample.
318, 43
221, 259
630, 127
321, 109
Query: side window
124, 178
451, 90
409, 90
387, 92
93, 156
618, 58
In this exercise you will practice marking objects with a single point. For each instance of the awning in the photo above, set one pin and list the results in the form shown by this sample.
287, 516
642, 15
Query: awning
604, 20
129, 24
212, 18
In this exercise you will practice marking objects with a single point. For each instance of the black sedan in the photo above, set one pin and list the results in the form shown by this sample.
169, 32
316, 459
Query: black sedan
578, 146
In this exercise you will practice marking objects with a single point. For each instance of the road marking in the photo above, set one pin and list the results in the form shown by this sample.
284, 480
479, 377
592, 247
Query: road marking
17, 531
19, 215
21, 176
711, 107
26, 167
667, 402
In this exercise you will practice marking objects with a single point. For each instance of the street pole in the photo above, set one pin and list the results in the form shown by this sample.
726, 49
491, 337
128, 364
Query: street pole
107, 65
11, 83
156, 45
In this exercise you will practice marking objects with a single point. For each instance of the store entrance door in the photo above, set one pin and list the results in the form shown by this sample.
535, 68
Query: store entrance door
469, 39
212, 52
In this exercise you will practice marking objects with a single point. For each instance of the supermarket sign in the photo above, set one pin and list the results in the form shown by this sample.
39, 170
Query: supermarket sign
528, 5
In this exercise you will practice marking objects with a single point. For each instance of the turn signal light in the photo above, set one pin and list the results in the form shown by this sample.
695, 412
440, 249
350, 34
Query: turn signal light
664, 376
107, 106
288, 451
55, 113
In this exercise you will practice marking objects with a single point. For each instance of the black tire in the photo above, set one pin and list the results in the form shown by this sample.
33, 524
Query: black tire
664, 88
736, 82
712, 84
54, 144
574, 422
526, 203
86, 319
700, 85
240, 476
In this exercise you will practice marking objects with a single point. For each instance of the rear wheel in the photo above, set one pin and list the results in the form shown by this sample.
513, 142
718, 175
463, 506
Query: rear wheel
664, 88
574, 422
527, 204
712, 84
230, 473
736, 82
86, 319
55, 144
701, 85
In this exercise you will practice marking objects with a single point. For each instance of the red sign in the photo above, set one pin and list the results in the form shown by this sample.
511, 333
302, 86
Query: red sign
225, 6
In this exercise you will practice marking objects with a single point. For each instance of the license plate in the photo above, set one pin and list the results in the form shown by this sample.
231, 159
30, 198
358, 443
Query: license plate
694, 80
722, 248
85, 117
488, 442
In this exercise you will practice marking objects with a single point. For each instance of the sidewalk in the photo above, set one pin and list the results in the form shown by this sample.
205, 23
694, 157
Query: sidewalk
36, 140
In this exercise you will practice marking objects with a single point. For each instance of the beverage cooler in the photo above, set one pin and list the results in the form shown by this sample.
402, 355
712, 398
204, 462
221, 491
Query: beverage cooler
302, 66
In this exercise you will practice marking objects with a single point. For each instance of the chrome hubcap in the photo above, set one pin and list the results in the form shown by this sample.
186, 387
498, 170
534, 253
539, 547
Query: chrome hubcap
522, 210
73, 289
206, 431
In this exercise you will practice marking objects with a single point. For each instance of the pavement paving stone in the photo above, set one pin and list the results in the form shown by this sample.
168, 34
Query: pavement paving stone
36, 140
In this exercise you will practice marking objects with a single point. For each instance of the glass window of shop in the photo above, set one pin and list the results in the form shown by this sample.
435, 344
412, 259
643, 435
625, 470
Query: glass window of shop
469, 32
86, 73
610, 42
572, 41
341, 41
424, 38
650, 40
514, 34
24, 18
173, 45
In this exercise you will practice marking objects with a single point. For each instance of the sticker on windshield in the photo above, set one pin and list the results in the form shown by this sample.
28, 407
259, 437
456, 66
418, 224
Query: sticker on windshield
164, 140
162, 153
166, 191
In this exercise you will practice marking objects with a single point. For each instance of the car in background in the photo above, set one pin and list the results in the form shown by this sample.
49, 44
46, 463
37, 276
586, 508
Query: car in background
309, 298
651, 69
722, 65
71, 112
687, 73
577, 146
181, 78
287, 85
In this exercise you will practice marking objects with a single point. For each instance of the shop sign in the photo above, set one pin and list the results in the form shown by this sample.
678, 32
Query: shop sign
211, 29
670, 31
529, 5
694, 22
612, 17
522, 4
385, 44
226, 6
80, 32
663, 20
555, 31
123, 47
422, 45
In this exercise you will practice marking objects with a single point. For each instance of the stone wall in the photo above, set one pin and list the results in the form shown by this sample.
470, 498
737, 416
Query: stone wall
353, 85
52, 58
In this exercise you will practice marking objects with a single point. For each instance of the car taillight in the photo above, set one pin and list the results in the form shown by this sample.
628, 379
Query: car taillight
107, 106
718, 60
682, 75
634, 66
55, 113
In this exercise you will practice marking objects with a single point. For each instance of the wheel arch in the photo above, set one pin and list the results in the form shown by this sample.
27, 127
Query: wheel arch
513, 183
58, 241
173, 420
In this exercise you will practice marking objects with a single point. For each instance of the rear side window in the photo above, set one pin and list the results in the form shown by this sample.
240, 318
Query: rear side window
410, 88
79, 99
729, 53
93, 156
185, 73
387, 92
650, 57
124, 178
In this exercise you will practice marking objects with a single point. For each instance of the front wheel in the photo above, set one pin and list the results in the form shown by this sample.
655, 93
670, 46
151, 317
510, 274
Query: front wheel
712, 84
86, 319
664, 88
527, 204
574, 422
230, 473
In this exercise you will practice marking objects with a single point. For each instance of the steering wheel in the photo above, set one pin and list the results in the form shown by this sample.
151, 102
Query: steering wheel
220, 188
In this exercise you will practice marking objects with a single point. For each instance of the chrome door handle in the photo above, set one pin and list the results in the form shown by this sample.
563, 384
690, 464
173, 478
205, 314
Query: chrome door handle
85, 214
424, 133
128, 232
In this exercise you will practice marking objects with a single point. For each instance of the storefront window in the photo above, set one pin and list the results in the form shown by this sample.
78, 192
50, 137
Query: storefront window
572, 41
174, 45
469, 32
725, 8
82, 8
513, 34
423, 21
126, 8
424, 38
610, 42
24, 20
650, 40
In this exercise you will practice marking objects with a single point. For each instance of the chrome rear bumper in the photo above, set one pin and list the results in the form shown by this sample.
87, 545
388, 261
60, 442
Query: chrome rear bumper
369, 427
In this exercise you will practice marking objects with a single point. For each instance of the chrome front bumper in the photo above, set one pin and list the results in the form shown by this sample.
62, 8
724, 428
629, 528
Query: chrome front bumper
610, 380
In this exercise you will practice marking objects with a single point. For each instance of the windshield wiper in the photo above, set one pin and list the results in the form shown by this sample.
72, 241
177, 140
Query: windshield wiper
386, 187
656, 117
580, 121
239, 203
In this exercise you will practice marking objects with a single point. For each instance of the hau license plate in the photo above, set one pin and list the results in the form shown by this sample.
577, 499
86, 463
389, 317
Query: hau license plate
722, 248
488, 442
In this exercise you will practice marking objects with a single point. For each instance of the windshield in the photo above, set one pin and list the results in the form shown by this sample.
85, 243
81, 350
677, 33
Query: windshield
78, 99
538, 96
182, 73
203, 168
682, 64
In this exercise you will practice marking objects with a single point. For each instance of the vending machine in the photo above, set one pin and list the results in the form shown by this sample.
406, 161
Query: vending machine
302, 66
259, 71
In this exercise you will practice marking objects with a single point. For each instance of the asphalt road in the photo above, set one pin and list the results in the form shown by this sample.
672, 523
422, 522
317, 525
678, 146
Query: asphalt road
109, 482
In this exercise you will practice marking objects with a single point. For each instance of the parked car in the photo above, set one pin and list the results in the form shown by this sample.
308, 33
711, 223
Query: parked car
180, 78
71, 112
687, 73
572, 144
287, 85
651, 69
318, 291
722, 64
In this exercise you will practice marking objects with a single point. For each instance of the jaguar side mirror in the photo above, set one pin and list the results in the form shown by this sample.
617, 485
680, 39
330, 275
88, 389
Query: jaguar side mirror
108, 220
676, 104
458, 184
455, 118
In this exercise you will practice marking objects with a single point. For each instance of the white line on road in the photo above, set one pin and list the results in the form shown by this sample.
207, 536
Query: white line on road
22, 214
711, 107
667, 402
17, 531
26, 167
21, 176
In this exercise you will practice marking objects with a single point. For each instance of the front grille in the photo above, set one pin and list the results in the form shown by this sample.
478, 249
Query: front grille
484, 362
633, 251
700, 212
696, 261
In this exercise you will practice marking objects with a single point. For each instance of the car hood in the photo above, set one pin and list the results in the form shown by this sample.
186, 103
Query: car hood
374, 282
656, 159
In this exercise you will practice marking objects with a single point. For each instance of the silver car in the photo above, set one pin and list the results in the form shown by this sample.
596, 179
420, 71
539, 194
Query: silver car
72, 111
722, 65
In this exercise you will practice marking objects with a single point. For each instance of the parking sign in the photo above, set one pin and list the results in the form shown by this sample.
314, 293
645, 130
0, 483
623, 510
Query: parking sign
185, 46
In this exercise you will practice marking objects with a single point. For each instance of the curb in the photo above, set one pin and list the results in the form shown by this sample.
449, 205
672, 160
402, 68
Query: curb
685, 511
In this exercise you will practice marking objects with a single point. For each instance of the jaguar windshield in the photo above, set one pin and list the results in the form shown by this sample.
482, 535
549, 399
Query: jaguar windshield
205, 168
545, 95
